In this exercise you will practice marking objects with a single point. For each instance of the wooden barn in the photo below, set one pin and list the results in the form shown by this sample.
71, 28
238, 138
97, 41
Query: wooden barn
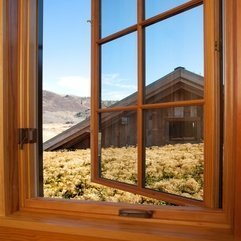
162, 126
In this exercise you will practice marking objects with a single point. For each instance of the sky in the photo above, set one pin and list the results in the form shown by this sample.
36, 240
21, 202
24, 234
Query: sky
66, 45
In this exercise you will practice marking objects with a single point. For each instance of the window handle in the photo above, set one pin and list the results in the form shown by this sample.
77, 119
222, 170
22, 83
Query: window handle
135, 213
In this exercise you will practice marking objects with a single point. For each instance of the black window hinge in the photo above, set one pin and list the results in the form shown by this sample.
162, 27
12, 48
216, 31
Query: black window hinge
26, 135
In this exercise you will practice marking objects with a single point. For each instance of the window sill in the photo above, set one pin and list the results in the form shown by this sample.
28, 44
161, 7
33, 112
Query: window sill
38, 226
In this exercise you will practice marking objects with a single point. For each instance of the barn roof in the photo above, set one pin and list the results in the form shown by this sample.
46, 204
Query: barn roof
180, 78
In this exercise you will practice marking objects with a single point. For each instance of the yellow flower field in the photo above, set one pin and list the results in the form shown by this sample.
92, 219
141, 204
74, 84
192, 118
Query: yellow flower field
176, 169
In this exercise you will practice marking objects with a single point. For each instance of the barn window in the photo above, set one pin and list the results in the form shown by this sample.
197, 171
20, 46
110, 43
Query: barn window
182, 130
153, 64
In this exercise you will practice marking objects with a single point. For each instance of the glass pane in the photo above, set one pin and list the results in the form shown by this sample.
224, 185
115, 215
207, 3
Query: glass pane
118, 146
154, 7
174, 58
175, 151
117, 15
119, 71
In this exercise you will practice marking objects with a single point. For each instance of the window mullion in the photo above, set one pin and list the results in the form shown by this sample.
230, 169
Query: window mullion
141, 75
172, 12
163, 105
95, 87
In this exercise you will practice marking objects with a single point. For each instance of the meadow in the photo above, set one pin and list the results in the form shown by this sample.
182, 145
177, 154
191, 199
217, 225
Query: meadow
176, 169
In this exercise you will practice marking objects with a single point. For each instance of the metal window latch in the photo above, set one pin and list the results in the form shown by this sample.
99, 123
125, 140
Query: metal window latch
26, 135
135, 213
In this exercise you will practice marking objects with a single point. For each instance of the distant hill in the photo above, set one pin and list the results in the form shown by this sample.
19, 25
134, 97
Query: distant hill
66, 109
56, 102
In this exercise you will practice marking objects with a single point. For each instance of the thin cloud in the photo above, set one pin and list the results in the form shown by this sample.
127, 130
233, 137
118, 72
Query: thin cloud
114, 95
116, 88
113, 88
76, 85
114, 80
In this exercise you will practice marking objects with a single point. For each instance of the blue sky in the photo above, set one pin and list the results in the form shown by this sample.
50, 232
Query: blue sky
66, 46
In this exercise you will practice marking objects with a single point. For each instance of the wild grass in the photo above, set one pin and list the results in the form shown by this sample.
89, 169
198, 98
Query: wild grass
176, 169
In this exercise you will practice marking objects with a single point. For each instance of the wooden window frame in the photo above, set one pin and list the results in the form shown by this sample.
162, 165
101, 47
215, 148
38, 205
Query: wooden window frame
25, 217
211, 106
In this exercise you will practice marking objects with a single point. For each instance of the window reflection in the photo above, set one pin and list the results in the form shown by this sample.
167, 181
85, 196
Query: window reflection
118, 146
174, 54
179, 85
174, 150
119, 70
117, 15
154, 7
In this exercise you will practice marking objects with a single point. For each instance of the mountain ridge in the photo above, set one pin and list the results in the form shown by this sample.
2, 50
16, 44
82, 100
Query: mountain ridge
67, 109
56, 102
64, 109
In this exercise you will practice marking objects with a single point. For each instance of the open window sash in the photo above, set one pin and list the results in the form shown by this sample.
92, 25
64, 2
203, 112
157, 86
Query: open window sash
128, 117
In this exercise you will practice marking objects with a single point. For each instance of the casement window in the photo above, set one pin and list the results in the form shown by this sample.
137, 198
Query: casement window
151, 71
129, 53
151, 67
143, 101
157, 69
153, 61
